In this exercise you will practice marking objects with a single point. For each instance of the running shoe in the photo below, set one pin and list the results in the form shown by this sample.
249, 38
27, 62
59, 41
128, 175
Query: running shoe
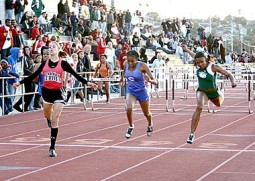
49, 122
52, 153
101, 95
149, 130
191, 138
129, 132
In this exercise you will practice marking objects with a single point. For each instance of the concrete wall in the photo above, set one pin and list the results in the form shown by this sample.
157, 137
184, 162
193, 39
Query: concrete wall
2, 10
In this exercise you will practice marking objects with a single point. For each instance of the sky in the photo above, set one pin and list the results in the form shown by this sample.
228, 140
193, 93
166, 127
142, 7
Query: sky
178, 8
190, 8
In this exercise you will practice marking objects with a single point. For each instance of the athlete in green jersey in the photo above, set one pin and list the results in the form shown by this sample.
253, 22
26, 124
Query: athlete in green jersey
207, 88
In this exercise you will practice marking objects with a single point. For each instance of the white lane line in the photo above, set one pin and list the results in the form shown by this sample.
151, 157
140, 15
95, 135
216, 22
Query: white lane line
225, 162
233, 135
239, 173
134, 148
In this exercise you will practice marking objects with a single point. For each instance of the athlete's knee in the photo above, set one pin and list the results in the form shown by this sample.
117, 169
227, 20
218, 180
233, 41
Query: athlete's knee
147, 114
199, 108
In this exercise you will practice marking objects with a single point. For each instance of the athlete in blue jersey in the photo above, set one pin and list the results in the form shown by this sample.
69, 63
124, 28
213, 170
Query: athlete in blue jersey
136, 73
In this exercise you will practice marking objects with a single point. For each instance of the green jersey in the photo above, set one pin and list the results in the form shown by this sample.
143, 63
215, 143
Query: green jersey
207, 81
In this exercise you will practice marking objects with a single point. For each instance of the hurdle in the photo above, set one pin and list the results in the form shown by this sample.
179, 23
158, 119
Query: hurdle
186, 105
107, 79
249, 106
222, 87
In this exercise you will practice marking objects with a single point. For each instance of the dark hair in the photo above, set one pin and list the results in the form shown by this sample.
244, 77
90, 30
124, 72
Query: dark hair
133, 53
24, 52
103, 55
142, 51
53, 38
62, 54
199, 55
44, 48
7, 20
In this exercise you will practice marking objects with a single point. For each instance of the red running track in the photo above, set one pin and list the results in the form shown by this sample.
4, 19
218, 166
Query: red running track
91, 145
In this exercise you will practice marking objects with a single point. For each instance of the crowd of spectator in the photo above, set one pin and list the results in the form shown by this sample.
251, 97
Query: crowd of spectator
94, 30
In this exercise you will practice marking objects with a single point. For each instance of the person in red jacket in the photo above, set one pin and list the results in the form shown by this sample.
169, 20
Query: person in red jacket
35, 31
37, 45
122, 58
101, 45
6, 39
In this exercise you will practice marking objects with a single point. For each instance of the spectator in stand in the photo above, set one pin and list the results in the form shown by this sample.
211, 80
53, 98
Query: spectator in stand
118, 50
5, 72
108, 38
46, 40
137, 30
135, 42
228, 59
27, 68
37, 63
95, 17
18, 39
216, 47
55, 22
102, 20
37, 6
9, 8
43, 22
241, 58
122, 58
84, 13
87, 29
128, 19
114, 31
66, 24
74, 23
109, 20
36, 31
37, 45
12, 62
67, 8
27, 25
18, 10
158, 62
67, 48
120, 20
110, 53
80, 28
61, 8
78, 44
6, 39
143, 57
101, 45
152, 44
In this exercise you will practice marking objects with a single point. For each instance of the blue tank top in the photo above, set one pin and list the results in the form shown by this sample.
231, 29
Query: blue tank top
135, 78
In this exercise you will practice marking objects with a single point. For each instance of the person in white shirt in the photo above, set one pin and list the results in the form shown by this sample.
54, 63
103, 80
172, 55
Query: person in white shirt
158, 64
110, 52
228, 59
43, 22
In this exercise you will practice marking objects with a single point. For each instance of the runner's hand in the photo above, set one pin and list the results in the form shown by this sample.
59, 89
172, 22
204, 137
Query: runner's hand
92, 85
234, 85
16, 85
